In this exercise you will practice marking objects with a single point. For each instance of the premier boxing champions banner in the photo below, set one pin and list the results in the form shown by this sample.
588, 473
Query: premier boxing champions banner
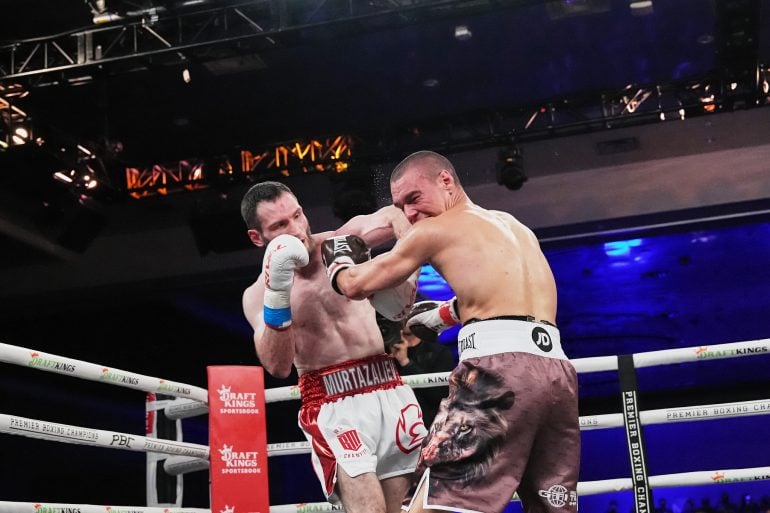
238, 440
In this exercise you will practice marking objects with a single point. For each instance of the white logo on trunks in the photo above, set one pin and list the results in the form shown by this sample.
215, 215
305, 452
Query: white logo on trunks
349, 440
360, 377
410, 430
542, 339
558, 496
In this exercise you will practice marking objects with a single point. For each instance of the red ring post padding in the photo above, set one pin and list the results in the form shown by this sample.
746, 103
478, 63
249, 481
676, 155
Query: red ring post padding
237, 439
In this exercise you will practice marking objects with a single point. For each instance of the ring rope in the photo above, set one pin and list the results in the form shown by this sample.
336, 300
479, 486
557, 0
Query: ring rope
93, 372
66, 433
54, 363
77, 368
586, 365
49, 507
585, 488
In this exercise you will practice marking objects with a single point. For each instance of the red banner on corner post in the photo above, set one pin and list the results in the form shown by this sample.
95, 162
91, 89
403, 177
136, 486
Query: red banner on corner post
238, 440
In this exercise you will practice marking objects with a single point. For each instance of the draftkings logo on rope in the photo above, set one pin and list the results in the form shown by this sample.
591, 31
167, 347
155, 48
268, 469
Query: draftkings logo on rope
116, 377
238, 403
703, 352
722, 477
239, 462
50, 364
40, 508
304, 507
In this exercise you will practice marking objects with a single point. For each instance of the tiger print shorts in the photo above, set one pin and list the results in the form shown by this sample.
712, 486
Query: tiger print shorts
509, 424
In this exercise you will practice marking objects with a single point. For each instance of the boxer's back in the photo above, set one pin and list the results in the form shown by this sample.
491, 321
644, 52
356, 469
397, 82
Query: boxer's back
494, 264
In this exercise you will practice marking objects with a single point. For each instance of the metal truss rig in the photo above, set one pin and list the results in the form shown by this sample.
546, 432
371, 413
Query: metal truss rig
169, 30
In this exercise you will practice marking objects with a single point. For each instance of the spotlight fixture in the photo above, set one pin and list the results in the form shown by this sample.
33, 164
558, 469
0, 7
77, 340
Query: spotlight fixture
510, 168
463, 33
641, 8
20, 136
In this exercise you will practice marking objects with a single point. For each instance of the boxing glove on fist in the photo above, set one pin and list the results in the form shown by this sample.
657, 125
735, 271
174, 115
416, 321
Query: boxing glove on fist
429, 318
341, 252
283, 255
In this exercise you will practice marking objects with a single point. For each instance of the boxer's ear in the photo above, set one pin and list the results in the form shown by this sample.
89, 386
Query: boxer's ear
256, 238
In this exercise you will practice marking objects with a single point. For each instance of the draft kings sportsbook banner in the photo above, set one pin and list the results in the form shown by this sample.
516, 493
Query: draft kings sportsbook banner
237, 440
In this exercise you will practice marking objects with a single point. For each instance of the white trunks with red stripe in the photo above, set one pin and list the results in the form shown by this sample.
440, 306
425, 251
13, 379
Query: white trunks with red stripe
360, 416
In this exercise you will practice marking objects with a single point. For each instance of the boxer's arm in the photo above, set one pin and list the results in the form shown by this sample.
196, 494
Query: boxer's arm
387, 269
274, 348
384, 225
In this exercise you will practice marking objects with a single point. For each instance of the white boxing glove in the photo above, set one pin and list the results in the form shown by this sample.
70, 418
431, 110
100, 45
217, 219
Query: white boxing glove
394, 303
429, 318
283, 255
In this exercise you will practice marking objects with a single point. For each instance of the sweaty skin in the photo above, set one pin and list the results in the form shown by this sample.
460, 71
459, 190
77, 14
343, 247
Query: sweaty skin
327, 328
492, 261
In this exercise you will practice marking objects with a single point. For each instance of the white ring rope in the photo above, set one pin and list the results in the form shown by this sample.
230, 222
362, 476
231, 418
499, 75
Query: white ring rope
680, 414
93, 372
740, 475
188, 457
76, 368
735, 475
585, 365
55, 432
47, 507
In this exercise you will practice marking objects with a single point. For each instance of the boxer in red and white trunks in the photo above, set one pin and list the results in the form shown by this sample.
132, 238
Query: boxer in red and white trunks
349, 389
358, 415
510, 422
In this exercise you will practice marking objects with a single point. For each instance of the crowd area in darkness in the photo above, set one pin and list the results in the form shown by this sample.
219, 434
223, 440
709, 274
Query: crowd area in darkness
745, 503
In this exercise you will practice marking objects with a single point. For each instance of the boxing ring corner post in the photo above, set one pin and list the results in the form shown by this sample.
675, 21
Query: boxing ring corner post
238, 439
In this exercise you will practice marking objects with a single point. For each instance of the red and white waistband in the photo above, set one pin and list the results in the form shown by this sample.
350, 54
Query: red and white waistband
484, 338
348, 378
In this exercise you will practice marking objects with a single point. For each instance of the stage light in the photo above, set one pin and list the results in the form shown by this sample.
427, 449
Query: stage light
463, 33
20, 135
510, 169
641, 8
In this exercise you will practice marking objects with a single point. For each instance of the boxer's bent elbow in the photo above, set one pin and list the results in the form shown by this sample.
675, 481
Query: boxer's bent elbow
278, 371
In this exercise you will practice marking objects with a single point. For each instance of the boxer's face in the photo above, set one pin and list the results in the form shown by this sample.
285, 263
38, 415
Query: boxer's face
418, 195
284, 215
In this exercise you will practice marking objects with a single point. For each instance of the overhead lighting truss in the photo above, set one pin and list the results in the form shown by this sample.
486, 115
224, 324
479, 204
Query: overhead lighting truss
168, 30
15, 127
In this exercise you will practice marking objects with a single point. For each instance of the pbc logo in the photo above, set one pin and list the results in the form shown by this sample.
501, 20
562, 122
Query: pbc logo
410, 430
349, 440
542, 339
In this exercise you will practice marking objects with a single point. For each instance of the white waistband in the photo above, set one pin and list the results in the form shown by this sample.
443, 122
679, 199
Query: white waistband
484, 338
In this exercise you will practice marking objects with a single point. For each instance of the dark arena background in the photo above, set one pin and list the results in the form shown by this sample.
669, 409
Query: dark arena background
632, 137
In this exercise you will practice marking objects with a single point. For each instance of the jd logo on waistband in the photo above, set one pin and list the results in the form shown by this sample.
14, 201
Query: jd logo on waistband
542, 339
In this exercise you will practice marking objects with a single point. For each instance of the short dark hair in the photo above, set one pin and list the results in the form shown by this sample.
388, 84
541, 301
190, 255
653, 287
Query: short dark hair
263, 191
427, 161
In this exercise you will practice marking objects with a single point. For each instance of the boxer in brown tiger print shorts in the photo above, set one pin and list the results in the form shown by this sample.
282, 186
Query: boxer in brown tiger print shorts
510, 423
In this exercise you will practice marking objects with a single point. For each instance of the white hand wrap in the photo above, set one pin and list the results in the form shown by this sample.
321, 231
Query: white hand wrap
283, 255
428, 318
395, 303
